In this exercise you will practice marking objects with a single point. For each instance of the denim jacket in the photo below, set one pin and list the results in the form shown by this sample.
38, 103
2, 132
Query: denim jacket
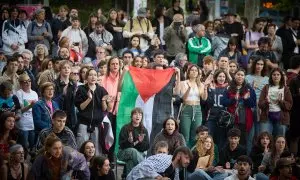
42, 115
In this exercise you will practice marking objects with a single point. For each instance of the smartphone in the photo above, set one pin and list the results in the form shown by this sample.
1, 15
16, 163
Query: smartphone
76, 43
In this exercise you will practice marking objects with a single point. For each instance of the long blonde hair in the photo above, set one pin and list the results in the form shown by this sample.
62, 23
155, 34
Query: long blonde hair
202, 152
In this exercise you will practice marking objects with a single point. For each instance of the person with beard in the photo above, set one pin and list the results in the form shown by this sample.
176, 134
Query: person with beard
175, 37
101, 37
163, 166
169, 134
14, 35
244, 164
264, 50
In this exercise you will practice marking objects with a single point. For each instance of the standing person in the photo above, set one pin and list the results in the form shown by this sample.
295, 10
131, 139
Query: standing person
191, 91
65, 90
175, 37
91, 101
232, 52
8, 100
160, 22
100, 169
294, 122
275, 103
91, 25
43, 109
141, 26
234, 28
175, 9
288, 42
134, 46
27, 98
163, 166
101, 37
10, 74
257, 78
276, 42
215, 94
239, 98
58, 162
115, 27
244, 164
15, 168
253, 35
40, 54
198, 46
133, 141
219, 41
78, 39
39, 31
170, 134
14, 34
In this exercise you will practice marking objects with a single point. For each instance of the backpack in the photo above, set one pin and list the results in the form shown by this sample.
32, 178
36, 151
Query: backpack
126, 40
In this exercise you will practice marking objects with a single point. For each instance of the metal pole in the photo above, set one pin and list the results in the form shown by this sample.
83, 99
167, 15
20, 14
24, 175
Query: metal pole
217, 8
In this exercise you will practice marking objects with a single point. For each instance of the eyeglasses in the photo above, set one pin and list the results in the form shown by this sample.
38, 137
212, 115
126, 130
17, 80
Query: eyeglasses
26, 81
75, 73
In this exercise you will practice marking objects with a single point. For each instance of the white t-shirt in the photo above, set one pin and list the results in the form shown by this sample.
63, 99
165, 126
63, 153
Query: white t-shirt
26, 121
274, 93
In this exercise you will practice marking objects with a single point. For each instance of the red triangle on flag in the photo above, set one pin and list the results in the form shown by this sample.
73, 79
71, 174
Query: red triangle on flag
150, 81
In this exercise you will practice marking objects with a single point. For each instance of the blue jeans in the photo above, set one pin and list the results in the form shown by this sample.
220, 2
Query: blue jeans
273, 127
26, 139
203, 175
261, 176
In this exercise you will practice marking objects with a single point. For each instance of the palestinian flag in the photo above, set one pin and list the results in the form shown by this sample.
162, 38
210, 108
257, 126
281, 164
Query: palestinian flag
149, 89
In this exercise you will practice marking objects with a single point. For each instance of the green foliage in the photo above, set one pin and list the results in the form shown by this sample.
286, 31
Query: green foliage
284, 5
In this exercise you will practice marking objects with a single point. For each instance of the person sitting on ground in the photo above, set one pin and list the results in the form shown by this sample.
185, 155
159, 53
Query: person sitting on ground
244, 164
161, 147
230, 153
67, 137
101, 170
163, 166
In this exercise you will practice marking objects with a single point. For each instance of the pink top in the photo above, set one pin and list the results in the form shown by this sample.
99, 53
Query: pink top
110, 83
49, 104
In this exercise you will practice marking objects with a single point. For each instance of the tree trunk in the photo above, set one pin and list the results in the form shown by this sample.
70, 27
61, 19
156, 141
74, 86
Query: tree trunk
251, 10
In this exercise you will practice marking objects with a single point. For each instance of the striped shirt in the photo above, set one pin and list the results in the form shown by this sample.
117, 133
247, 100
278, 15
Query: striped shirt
67, 137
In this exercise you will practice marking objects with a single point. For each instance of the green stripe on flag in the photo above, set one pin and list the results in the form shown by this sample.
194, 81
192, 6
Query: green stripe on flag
127, 103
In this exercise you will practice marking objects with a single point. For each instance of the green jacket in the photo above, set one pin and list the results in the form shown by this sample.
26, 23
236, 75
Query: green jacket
198, 46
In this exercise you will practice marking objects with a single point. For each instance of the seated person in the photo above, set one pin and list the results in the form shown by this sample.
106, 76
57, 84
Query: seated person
133, 141
161, 147
244, 164
201, 166
230, 153
284, 170
169, 134
161, 166
61, 131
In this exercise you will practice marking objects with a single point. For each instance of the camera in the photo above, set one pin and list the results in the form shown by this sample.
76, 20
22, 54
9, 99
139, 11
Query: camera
76, 44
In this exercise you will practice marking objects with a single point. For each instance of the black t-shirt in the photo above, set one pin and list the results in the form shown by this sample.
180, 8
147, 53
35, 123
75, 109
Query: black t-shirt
266, 55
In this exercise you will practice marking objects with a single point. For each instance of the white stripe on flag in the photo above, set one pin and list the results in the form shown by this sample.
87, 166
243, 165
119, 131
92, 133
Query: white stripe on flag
147, 108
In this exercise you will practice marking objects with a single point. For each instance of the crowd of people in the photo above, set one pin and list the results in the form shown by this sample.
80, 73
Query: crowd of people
234, 95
